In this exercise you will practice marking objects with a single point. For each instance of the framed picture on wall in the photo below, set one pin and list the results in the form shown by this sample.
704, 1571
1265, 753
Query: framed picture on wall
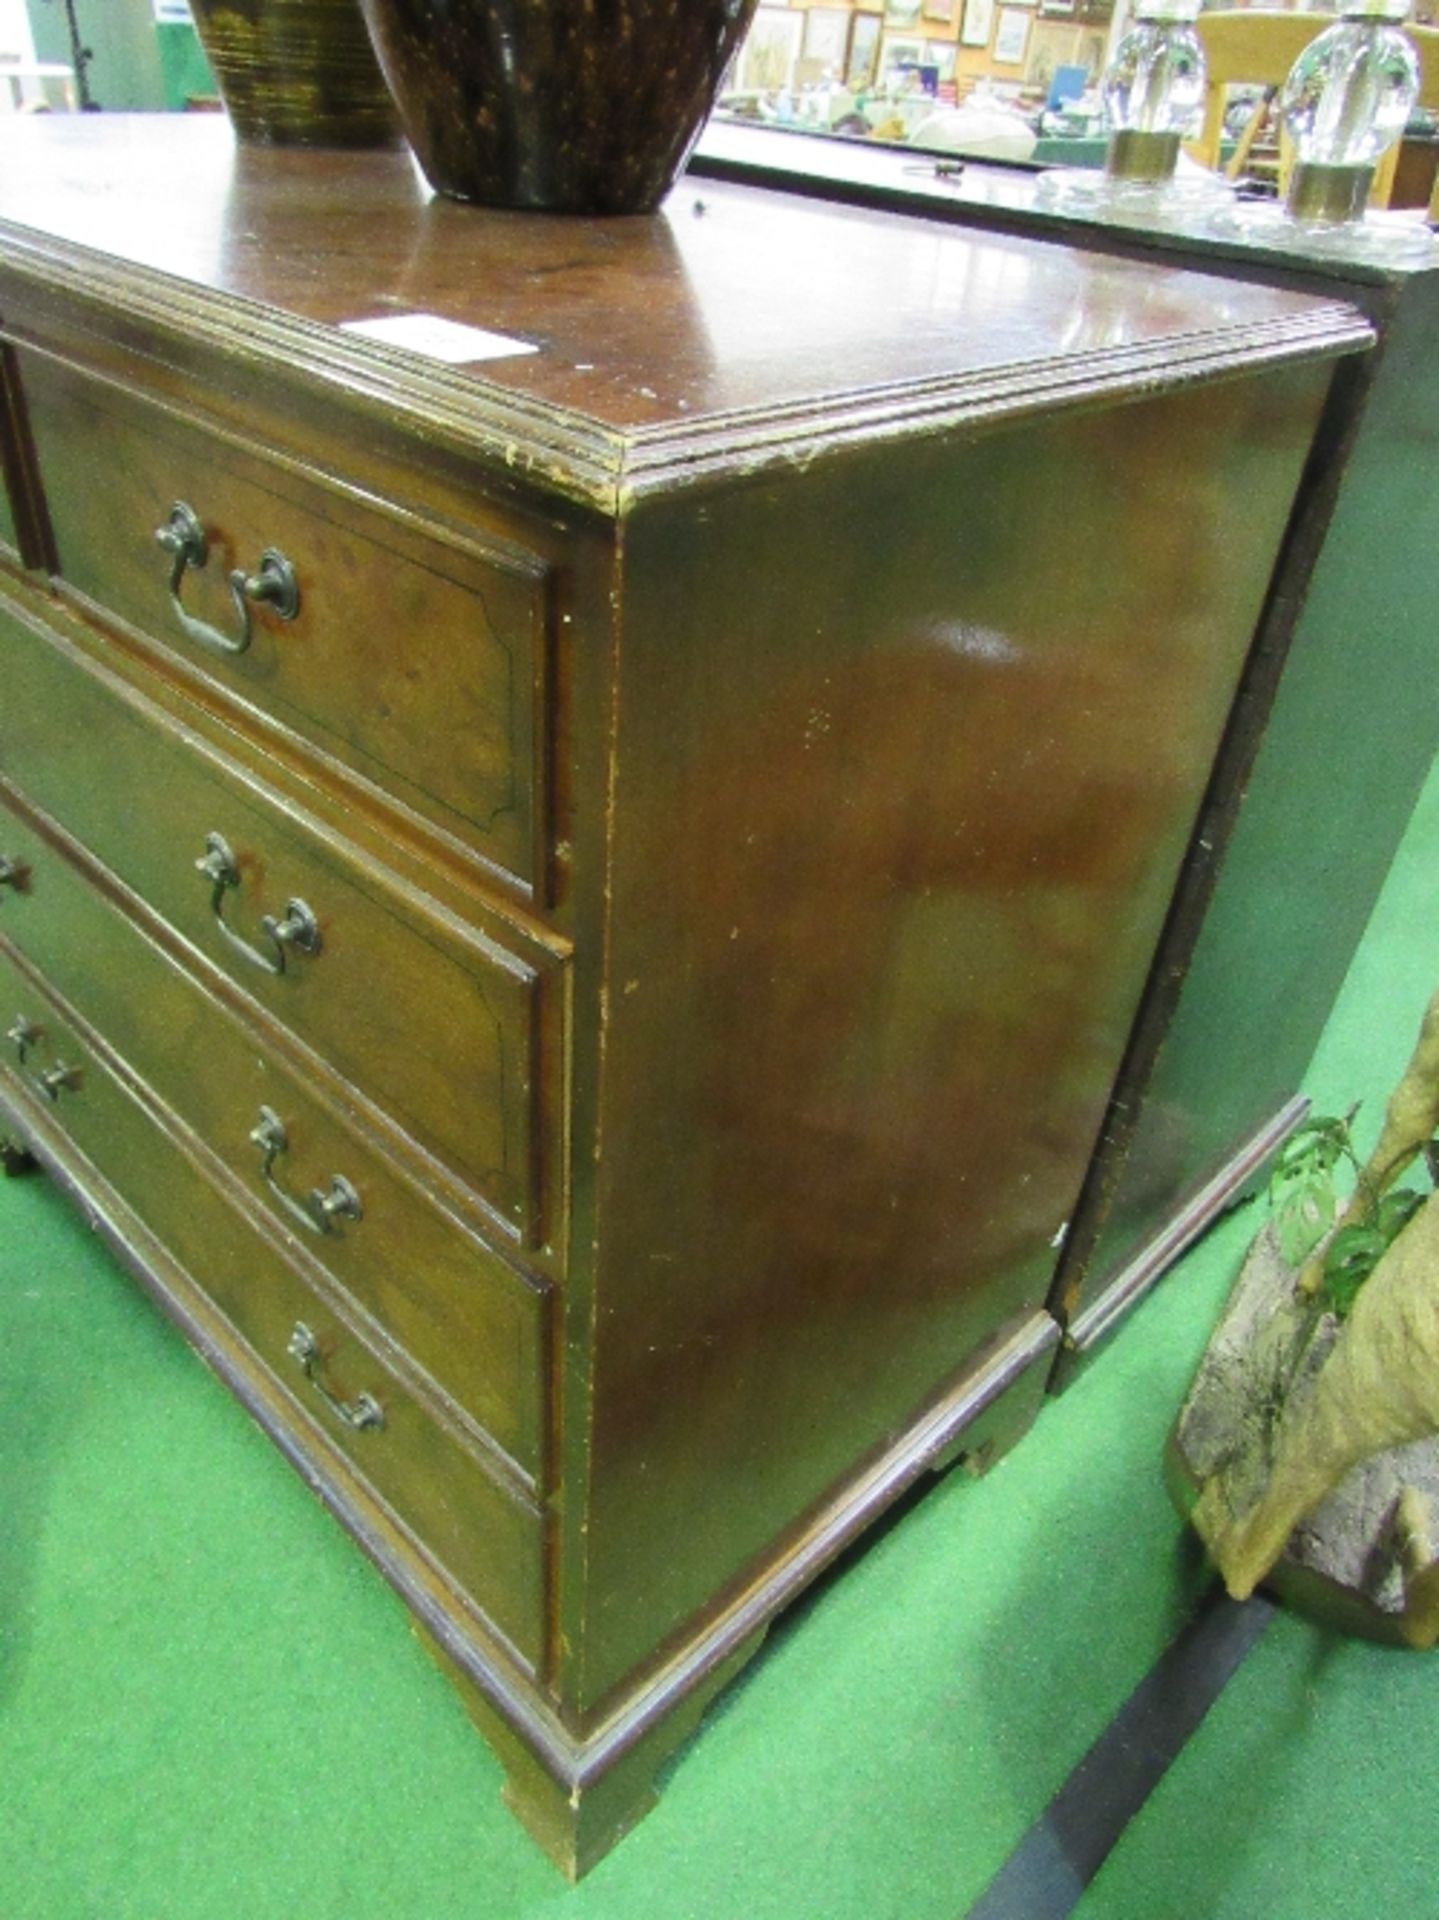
941, 55
826, 37
978, 23
771, 47
1011, 37
901, 13
863, 52
940, 10
1051, 46
899, 50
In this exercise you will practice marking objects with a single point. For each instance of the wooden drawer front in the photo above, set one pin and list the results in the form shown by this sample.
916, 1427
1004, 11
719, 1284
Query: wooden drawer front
440, 1024
465, 1316
490, 1539
417, 664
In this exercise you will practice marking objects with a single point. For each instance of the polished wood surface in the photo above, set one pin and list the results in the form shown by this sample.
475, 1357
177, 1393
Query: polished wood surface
862, 793
939, 809
659, 329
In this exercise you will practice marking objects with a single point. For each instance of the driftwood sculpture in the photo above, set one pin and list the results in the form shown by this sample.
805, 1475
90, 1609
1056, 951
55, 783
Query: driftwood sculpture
1311, 1427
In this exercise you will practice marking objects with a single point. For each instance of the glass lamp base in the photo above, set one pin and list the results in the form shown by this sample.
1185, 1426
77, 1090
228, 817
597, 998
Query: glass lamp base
1124, 197
1386, 239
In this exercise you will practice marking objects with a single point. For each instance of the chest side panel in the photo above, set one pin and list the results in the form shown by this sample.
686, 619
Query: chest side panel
909, 747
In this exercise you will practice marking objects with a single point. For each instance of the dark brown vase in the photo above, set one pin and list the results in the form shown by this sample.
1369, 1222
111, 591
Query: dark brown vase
555, 104
297, 73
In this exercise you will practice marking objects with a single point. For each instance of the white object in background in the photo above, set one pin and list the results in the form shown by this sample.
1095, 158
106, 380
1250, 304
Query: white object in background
986, 129
17, 72
17, 42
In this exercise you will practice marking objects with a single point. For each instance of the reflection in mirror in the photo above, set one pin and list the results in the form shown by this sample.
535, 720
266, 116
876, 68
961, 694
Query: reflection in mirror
1015, 81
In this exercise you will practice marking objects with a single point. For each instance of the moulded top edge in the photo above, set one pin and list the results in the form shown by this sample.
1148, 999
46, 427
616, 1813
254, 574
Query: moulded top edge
735, 328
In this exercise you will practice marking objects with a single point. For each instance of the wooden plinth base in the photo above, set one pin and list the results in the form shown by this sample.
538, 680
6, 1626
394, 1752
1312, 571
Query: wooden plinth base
576, 1821
1106, 1302
590, 1786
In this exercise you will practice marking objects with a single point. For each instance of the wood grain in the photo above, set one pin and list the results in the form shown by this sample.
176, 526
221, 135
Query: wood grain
884, 672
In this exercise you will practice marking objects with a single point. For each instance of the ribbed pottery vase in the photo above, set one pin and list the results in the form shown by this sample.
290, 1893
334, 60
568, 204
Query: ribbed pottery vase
297, 73
571, 106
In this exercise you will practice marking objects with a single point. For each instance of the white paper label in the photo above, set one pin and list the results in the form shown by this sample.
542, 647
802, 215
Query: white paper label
437, 338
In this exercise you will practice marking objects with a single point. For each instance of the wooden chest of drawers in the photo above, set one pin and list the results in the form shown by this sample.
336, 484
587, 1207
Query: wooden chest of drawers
575, 916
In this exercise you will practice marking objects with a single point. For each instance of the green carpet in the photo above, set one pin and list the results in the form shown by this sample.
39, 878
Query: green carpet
209, 1705
1307, 1791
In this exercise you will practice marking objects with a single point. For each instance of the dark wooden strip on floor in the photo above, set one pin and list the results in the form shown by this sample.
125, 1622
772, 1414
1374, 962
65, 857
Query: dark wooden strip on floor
1064, 1849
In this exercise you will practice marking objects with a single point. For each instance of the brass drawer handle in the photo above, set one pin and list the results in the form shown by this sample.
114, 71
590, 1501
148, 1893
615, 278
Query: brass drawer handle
14, 873
363, 1411
57, 1080
273, 585
322, 1207
298, 929
53, 1081
23, 1034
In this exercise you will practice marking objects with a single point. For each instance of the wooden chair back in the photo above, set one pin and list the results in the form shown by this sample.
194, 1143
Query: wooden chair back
1253, 47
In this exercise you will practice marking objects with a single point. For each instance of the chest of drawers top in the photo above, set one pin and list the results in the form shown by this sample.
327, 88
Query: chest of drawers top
734, 329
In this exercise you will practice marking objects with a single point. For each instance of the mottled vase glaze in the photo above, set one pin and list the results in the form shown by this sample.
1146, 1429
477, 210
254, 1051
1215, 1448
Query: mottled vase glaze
554, 104
297, 73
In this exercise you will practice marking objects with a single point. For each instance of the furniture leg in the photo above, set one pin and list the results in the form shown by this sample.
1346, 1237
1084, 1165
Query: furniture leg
611, 1786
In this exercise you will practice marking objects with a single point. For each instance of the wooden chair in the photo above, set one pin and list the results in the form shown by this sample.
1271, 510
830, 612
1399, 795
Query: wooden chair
1258, 48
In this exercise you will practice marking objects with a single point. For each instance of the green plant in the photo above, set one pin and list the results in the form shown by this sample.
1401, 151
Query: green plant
1305, 1201
1372, 1262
